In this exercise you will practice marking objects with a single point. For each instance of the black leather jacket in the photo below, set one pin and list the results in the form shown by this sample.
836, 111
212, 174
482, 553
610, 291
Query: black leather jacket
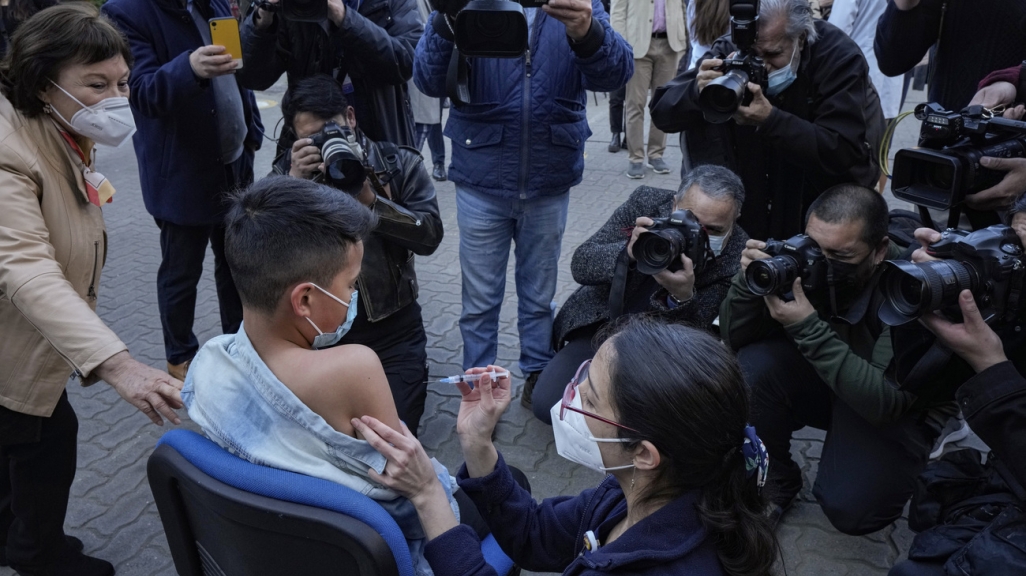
374, 47
408, 224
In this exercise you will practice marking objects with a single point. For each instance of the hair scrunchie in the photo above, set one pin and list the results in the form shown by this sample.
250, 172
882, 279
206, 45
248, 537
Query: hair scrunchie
756, 457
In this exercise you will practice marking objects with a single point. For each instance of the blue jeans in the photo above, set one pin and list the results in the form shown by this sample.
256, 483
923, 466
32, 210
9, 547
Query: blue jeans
487, 225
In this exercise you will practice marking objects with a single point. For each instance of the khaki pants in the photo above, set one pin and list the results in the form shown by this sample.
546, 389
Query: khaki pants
657, 68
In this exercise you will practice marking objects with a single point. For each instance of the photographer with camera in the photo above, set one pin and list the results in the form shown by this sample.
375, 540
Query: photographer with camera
784, 101
517, 149
640, 256
803, 319
365, 45
393, 182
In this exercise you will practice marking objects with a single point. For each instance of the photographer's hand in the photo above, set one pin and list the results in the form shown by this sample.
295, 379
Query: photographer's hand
263, 18
973, 340
1019, 225
925, 236
640, 225
306, 159
680, 284
758, 111
1004, 193
752, 252
211, 61
997, 94
793, 312
706, 74
906, 5
574, 14
336, 12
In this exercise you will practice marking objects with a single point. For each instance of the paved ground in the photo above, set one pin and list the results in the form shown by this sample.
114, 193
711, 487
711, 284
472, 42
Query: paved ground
111, 506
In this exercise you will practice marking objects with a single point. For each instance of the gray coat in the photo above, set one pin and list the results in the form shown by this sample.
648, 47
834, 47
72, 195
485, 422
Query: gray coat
594, 263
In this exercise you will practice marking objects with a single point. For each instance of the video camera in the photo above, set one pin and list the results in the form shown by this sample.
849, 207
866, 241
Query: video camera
989, 262
946, 165
343, 158
493, 28
798, 256
660, 247
720, 98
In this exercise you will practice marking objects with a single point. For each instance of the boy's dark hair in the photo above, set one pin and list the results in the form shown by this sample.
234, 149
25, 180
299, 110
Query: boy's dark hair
854, 203
50, 41
281, 231
319, 95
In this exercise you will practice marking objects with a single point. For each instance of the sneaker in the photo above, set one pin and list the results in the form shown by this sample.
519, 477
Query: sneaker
658, 165
636, 170
615, 144
956, 429
439, 172
74, 543
529, 382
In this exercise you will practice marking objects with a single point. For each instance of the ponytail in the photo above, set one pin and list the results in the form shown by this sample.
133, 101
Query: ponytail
731, 510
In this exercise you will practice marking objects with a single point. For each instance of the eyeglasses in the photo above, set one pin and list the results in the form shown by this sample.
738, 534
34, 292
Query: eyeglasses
571, 391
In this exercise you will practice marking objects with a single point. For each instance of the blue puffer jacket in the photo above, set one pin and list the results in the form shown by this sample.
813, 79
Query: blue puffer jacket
523, 134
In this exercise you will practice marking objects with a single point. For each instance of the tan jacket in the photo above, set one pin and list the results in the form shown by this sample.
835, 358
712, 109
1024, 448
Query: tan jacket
633, 20
52, 247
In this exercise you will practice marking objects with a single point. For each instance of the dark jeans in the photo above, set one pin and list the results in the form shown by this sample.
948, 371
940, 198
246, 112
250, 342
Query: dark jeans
433, 134
38, 458
401, 344
913, 568
557, 374
616, 99
182, 249
866, 473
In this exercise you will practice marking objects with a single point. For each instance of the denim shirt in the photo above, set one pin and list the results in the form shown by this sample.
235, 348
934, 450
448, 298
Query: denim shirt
240, 404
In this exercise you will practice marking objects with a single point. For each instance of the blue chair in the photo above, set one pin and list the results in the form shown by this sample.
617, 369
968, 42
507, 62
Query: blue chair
225, 516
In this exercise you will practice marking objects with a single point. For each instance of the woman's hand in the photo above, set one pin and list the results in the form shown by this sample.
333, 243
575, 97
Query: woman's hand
409, 472
153, 392
480, 411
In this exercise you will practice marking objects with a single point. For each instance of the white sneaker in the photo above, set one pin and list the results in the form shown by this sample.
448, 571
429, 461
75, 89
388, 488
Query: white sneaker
956, 429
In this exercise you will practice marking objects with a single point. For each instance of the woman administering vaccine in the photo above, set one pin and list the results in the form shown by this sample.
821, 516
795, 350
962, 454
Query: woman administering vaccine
663, 409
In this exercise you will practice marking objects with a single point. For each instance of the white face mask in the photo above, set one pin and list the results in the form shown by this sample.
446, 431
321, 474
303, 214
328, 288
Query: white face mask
716, 243
108, 122
575, 442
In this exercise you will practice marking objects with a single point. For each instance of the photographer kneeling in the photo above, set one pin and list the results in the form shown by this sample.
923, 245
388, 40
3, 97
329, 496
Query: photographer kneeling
803, 319
393, 182
676, 288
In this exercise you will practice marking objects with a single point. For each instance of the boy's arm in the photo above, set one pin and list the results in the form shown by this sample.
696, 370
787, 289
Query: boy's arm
350, 383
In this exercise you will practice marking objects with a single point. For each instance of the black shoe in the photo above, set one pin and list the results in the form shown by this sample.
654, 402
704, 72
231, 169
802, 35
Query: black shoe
70, 563
439, 172
529, 382
615, 144
74, 543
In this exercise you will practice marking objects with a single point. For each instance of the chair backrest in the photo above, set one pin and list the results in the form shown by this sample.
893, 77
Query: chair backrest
225, 516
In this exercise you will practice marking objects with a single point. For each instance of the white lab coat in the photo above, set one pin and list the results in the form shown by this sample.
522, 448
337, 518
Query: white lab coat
857, 19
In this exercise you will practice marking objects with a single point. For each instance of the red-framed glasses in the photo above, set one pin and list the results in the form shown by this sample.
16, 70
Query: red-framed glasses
571, 391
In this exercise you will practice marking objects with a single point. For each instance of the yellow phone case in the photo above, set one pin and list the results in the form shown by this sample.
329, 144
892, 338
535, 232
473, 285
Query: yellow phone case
225, 32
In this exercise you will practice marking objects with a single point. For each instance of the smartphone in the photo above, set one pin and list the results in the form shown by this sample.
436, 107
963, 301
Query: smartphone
225, 32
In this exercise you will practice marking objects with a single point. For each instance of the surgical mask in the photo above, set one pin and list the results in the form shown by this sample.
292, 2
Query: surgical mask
779, 80
575, 442
108, 122
716, 243
328, 339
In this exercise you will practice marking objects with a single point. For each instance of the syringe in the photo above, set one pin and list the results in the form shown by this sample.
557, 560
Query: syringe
473, 377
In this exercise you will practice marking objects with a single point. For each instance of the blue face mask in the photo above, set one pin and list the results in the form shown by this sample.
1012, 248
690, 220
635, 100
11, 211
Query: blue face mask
325, 340
779, 80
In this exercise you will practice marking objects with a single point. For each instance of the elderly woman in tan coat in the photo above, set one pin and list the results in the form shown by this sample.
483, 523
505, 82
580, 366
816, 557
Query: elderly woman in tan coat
64, 85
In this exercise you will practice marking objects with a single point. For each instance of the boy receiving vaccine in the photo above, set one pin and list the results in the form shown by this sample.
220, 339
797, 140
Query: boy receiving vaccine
275, 393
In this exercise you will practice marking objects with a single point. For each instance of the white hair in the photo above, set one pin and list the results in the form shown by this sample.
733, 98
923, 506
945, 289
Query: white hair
798, 14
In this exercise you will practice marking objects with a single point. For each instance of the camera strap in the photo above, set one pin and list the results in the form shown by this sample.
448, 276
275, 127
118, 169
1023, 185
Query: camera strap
619, 285
457, 79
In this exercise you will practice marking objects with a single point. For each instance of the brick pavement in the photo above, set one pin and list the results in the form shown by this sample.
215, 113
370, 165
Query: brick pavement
111, 506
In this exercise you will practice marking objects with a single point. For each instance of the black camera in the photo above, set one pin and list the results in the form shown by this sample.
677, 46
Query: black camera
303, 10
493, 28
720, 98
946, 165
989, 262
343, 158
667, 238
798, 256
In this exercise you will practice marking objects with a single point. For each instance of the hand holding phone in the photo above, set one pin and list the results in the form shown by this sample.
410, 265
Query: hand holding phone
225, 32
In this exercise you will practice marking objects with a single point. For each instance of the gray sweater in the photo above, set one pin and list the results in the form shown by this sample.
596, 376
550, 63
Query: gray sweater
594, 263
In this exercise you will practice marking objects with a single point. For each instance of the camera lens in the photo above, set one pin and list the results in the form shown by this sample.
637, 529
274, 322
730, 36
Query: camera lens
772, 276
911, 290
657, 251
343, 167
721, 97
